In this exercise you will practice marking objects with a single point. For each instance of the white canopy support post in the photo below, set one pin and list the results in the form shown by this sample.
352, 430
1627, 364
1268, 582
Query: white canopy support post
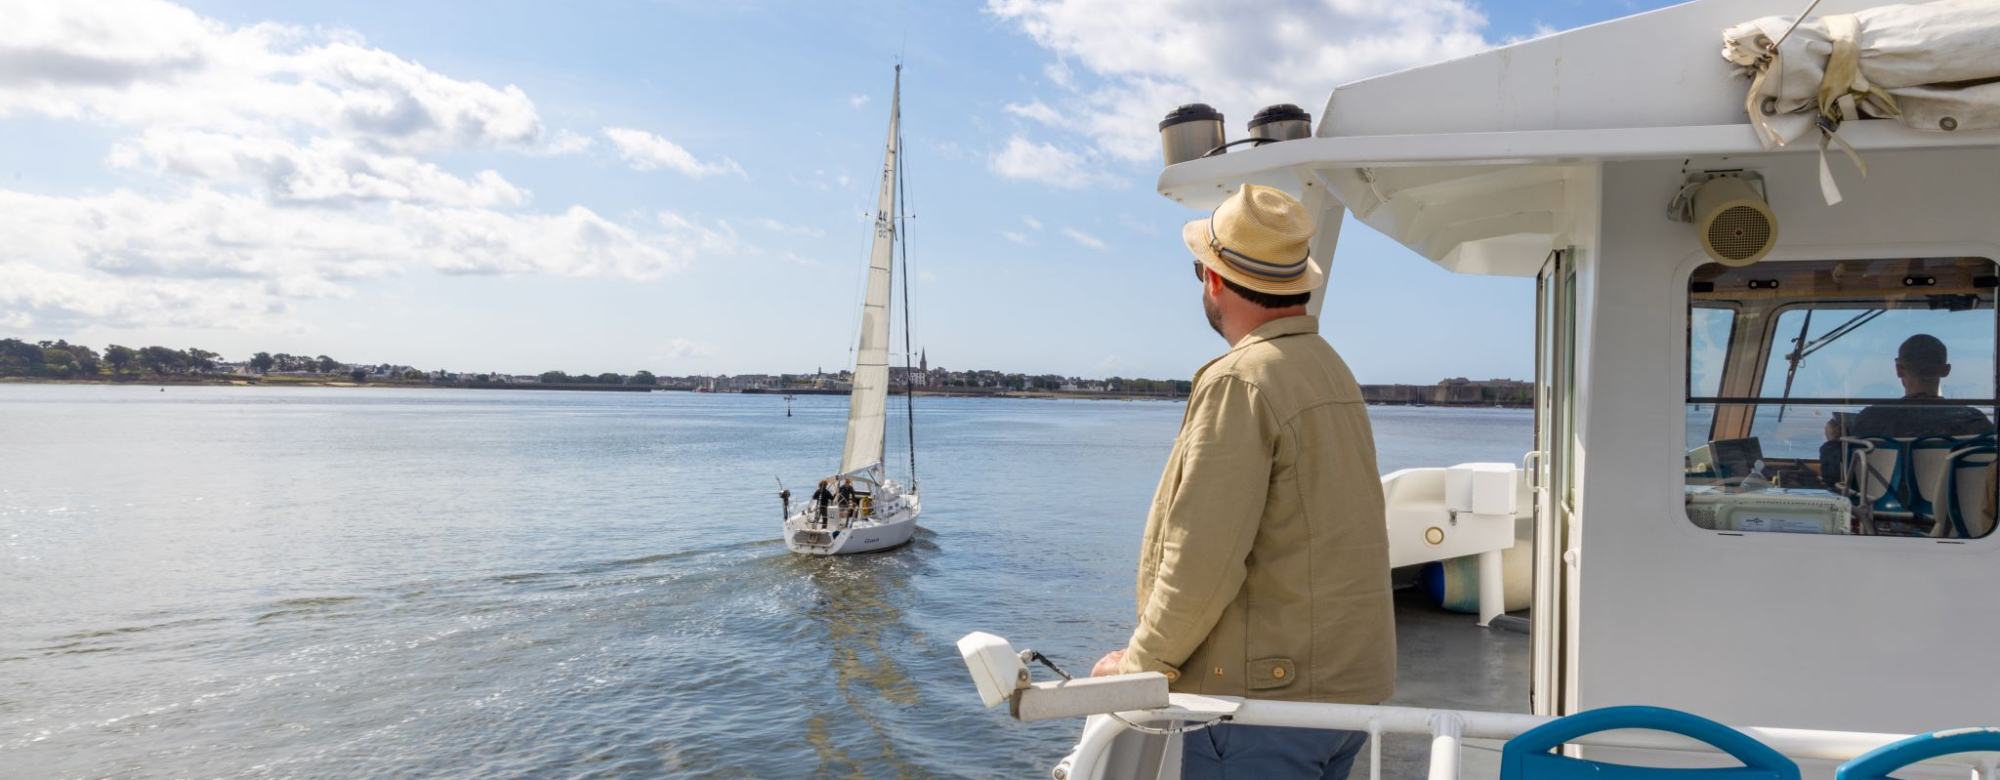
1492, 588
1327, 214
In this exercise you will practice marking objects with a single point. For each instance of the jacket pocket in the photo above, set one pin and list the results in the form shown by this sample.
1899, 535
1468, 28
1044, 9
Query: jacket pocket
1267, 673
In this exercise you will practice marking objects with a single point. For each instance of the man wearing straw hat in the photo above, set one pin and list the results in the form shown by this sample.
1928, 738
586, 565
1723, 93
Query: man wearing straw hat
1265, 567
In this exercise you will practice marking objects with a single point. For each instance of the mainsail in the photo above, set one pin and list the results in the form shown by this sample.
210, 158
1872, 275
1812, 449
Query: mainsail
868, 407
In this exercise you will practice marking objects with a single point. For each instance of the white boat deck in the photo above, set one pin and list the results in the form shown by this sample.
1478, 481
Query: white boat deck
1444, 661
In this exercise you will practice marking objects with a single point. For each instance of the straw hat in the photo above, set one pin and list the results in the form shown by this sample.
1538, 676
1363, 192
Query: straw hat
1257, 239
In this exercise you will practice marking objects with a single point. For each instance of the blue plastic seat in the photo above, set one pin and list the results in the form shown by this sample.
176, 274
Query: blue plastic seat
1872, 468
1528, 757
1925, 464
1962, 516
1878, 763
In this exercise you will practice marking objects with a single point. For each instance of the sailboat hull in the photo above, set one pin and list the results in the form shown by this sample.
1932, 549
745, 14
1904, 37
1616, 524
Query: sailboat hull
887, 530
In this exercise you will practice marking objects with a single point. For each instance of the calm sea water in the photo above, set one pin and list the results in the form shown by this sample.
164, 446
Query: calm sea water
289, 582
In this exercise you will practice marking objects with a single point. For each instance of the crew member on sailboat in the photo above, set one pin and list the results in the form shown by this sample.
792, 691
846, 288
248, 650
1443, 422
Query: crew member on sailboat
1271, 488
820, 500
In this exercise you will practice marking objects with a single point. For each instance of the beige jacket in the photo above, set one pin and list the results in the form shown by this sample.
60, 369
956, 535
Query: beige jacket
1265, 568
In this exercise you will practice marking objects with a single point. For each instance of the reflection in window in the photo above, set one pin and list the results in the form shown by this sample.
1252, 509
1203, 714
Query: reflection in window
1709, 330
1843, 397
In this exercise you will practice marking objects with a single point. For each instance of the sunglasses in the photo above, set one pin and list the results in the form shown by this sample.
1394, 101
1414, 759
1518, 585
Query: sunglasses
1200, 272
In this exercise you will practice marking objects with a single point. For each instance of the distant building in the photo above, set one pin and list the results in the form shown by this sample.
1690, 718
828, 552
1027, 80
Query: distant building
1454, 391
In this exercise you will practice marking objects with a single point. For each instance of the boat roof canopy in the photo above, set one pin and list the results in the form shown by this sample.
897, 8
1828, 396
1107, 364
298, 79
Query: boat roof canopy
1476, 163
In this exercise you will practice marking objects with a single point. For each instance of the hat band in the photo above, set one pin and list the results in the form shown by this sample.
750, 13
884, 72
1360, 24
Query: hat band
1264, 270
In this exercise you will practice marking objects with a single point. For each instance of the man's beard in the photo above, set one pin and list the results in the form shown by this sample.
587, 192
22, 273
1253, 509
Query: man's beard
1213, 309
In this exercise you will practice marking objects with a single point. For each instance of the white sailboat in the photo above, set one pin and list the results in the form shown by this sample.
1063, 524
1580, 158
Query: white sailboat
883, 512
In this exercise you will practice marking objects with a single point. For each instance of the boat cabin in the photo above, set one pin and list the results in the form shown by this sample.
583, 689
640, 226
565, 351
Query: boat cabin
1741, 510
1762, 481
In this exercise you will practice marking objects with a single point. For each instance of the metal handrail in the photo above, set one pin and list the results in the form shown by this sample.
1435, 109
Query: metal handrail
1447, 729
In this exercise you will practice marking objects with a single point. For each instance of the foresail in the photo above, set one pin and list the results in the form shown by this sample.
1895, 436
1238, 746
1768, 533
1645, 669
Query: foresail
868, 407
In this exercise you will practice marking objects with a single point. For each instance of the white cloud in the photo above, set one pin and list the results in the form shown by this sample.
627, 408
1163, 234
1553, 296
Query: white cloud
565, 142
1059, 74
1047, 164
55, 301
776, 226
150, 63
326, 170
687, 348
857, 101
926, 276
1085, 239
278, 163
1151, 55
213, 259
1037, 111
1030, 221
1137, 225
646, 152
1542, 30
1017, 238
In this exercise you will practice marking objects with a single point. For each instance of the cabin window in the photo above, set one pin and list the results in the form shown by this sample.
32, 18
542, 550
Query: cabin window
1847, 397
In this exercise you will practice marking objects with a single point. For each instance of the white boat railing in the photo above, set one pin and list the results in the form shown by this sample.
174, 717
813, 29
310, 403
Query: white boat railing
1447, 728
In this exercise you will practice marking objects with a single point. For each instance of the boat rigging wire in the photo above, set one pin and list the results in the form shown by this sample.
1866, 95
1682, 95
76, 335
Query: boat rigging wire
1795, 25
903, 246
1802, 348
1797, 356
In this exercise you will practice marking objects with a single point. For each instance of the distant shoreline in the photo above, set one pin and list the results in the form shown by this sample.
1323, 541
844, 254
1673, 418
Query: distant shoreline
1031, 395
237, 381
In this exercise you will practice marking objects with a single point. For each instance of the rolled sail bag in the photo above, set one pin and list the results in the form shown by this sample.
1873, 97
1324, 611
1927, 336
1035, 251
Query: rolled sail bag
1454, 584
1932, 66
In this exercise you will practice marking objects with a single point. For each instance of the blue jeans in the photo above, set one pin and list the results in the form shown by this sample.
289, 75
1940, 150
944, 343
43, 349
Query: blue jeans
1226, 751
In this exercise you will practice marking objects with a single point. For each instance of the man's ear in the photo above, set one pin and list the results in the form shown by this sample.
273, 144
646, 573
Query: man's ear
1946, 372
1213, 284
1899, 369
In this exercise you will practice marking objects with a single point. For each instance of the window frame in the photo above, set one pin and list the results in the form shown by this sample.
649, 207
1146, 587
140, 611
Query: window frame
1735, 309
1684, 302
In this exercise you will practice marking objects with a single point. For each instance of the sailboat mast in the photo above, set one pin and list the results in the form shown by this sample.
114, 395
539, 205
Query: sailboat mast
903, 238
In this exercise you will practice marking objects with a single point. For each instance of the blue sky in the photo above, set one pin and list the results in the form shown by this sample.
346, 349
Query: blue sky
681, 186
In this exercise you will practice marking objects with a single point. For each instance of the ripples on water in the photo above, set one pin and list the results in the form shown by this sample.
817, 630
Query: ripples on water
266, 582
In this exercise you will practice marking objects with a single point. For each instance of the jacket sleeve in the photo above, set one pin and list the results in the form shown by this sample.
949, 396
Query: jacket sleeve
1208, 525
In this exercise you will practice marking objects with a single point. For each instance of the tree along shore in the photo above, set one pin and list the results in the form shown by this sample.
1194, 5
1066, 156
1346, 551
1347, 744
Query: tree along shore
334, 381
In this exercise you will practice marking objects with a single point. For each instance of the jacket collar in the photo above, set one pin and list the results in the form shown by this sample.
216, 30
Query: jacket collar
1286, 326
